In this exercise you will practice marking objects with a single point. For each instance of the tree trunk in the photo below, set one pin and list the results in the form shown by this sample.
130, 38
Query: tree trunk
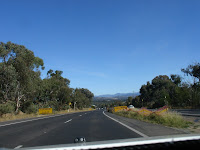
17, 106
18, 97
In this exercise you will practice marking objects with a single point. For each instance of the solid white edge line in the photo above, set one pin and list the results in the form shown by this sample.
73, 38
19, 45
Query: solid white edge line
68, 121
19, 146
134, 130
31, 120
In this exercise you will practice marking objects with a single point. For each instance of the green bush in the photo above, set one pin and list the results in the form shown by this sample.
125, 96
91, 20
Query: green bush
50, 104
9, 107
54, 105
44, 105
31, 109
65, 107
25, 105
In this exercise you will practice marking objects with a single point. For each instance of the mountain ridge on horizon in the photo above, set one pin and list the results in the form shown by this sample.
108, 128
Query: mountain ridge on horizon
119, 94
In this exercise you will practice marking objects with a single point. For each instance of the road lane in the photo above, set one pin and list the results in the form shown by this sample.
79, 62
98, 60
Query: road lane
94, 126
125, 125
188, 112
14, 134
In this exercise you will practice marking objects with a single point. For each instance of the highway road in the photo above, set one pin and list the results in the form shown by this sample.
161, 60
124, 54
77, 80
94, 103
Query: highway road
63, 129
188, 112
93, 125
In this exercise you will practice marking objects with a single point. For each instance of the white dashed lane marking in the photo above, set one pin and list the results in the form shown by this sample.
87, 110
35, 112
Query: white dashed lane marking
68, 121
19, 146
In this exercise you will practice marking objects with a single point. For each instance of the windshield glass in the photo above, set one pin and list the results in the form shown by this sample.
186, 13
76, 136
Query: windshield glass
74, 71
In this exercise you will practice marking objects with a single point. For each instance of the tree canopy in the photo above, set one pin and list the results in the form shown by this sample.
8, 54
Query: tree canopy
171, 91
22, 87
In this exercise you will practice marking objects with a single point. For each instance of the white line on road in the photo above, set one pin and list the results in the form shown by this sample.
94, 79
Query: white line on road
134, 130
68, 121
80, 115
19, 146
31, 120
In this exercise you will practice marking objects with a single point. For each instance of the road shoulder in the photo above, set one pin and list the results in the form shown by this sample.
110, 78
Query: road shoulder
146, 128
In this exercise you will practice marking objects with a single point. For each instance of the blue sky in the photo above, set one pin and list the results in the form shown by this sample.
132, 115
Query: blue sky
107, 46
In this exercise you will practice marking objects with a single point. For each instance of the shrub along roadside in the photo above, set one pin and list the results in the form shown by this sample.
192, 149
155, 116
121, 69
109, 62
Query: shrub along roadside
9, 107
167, 119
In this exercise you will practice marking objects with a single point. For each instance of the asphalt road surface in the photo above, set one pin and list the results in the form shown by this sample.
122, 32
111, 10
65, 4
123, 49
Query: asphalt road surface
63, 129
188, 112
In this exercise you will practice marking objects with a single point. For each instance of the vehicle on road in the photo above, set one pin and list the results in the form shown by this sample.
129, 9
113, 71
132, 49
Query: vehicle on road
131, 106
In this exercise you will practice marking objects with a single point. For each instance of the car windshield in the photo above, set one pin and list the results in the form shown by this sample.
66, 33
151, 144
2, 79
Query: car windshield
79, 71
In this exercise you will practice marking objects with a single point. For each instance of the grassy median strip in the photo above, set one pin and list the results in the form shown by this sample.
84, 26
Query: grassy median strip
168, 119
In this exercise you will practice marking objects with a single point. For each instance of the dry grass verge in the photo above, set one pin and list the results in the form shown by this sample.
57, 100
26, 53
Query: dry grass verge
21, 115
167, 119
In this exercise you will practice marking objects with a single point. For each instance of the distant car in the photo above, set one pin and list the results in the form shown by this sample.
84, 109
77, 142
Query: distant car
131, 106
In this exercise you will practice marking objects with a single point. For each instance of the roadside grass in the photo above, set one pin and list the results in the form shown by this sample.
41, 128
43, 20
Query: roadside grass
170, 119
11, 116
21, 115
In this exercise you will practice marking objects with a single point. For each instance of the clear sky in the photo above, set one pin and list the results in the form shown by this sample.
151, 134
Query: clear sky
107, 46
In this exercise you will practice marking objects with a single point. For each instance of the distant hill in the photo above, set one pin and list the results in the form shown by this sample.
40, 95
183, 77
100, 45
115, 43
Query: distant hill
117, 96
120, 94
